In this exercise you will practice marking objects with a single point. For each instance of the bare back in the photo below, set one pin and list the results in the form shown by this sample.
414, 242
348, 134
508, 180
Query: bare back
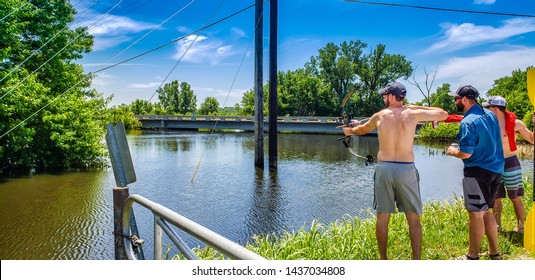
395, 129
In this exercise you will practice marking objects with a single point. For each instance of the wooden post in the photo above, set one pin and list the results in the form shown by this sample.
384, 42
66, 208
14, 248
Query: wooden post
258, 77
120, 194
273, 108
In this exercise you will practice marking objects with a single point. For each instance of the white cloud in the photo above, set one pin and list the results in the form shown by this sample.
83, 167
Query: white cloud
152, 85
103, 43
238, 33
486, 2
103, 79
111, 31
184, 29
460, 36
481, 71
203, 50
118, 25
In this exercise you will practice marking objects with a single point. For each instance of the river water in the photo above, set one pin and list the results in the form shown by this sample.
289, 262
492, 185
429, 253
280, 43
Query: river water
70, 216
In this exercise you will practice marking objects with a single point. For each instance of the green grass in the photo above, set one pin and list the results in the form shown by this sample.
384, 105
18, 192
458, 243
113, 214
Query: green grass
444, 228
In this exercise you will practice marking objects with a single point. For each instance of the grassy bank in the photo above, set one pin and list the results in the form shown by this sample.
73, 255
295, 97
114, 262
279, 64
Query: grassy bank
445, 237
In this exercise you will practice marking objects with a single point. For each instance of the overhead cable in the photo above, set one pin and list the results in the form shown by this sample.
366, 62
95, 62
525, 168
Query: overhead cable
46, 43
14, 11
146, 34
44, 63
173, 41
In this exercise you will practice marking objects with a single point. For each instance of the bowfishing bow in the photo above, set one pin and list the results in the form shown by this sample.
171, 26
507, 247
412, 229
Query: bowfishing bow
346, 119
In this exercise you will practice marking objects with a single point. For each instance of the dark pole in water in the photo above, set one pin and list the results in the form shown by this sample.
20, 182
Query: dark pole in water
259, 95
273, 25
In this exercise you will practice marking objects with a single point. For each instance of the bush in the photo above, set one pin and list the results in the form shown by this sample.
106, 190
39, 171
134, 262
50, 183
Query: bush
443, 132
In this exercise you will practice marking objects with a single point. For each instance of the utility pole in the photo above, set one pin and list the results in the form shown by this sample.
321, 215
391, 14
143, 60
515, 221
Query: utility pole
273, 108
259, 95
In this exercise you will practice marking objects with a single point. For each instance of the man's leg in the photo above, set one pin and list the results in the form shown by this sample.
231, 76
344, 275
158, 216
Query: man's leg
497, 210
415, 232
520, 213
381, 233
476, 230
492, 232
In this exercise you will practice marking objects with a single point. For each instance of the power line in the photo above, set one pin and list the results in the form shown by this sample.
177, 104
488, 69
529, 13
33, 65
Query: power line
226, 98
14, 11
156, 27
174, 41
44, 63
185, 52
49, 40
42, 108
440, 9
116, 64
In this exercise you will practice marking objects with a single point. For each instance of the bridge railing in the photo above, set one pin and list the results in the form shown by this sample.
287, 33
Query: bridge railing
282, 119
163, 217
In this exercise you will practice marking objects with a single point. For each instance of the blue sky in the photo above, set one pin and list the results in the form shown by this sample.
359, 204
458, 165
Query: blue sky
466, 48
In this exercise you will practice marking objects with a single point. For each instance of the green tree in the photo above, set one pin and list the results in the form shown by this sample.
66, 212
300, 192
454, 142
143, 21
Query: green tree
123, 113
337, 65
210, 106
141, 107
48, 116
514, 89
246, 107
177, 98
303, 94
375, 70
442, 100
346, 67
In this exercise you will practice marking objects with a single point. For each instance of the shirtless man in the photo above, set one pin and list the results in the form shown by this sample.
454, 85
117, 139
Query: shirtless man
512, 175
396, 183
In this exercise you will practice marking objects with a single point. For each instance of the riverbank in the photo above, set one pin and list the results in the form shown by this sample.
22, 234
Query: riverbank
444, 227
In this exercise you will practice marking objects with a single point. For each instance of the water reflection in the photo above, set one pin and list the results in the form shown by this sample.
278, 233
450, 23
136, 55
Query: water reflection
265, 213
63, 216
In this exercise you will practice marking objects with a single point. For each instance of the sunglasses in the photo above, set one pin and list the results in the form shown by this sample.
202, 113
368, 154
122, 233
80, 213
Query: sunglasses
457, 98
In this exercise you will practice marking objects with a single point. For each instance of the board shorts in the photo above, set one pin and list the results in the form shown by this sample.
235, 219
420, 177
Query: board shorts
397, 185
479, 188
511, 179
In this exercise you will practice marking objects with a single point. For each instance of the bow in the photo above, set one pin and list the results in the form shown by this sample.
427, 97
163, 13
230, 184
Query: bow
347, 120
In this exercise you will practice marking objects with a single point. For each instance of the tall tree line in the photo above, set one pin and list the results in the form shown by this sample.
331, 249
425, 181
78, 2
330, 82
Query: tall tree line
49, 118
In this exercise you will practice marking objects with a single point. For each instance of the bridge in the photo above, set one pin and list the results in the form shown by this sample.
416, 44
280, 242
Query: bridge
243, 123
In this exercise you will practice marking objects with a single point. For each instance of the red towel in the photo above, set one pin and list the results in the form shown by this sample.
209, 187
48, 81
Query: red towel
510, 119
453, 118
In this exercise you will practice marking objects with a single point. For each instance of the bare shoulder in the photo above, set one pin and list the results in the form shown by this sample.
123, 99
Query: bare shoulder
519, 125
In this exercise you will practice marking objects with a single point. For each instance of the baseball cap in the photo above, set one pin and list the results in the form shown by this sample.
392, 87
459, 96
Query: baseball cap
495, 101
465, 91
395, 88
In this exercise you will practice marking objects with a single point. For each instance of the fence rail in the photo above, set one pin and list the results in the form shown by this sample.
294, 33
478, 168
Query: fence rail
163, 217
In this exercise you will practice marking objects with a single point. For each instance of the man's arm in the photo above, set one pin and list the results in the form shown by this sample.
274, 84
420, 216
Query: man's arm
362, 129
423, 113
521, 129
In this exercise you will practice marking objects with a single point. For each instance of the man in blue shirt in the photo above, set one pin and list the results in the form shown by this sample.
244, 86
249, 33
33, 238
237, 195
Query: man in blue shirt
480, 148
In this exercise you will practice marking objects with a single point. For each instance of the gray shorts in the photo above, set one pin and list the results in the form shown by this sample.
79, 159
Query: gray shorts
397, 185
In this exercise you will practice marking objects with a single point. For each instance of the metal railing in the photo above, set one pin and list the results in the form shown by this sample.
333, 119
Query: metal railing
163, 217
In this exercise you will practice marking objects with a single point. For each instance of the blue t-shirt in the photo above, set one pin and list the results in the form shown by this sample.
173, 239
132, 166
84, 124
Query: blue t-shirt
480, 136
